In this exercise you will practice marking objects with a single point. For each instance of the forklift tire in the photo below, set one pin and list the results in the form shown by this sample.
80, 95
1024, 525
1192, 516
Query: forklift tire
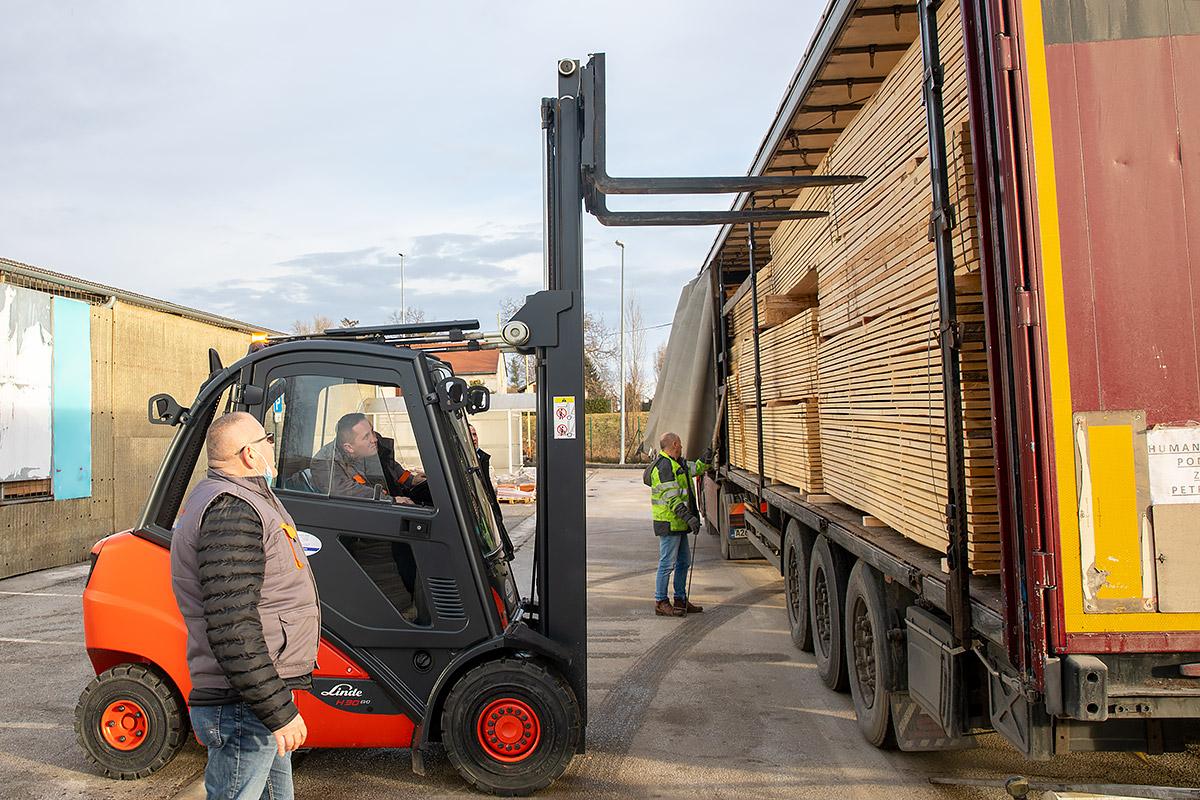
511, 726
130, 722
795, 585
867, 661
827, 577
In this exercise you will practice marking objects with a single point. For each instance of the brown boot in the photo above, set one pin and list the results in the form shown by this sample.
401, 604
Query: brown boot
663, 608
680, 605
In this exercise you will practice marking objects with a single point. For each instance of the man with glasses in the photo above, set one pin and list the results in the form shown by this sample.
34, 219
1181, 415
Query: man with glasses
243, 584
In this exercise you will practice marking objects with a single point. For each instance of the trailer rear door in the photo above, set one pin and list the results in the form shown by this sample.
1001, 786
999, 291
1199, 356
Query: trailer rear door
1111, 142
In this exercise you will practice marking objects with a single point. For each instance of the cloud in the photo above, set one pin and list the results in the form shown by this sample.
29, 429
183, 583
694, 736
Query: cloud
448, 275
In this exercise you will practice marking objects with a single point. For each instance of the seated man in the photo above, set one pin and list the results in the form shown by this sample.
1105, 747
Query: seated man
359, 460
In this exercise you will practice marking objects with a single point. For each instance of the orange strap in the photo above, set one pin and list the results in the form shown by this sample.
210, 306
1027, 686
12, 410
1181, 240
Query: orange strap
292, 538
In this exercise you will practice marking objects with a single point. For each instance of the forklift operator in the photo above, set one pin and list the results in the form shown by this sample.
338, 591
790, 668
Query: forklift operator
359, 460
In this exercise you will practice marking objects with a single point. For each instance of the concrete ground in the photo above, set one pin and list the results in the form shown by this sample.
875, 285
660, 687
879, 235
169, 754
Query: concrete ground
715, 705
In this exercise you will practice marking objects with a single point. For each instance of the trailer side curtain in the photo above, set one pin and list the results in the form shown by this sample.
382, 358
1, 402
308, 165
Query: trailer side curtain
685, 398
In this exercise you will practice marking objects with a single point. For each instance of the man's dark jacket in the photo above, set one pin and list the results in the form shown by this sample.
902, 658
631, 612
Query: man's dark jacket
247, 595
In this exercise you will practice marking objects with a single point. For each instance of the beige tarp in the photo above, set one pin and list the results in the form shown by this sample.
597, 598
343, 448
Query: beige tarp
685, 399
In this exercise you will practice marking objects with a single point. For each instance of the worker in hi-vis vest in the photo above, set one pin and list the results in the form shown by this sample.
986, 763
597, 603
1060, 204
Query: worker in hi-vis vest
675, 514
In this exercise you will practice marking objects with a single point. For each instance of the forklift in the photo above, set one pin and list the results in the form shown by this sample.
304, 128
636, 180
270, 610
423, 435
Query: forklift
424, 635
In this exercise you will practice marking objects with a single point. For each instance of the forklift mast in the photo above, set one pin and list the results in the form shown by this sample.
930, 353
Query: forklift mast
550, 325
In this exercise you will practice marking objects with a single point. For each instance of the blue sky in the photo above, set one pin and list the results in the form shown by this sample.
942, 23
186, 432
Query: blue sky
268, 160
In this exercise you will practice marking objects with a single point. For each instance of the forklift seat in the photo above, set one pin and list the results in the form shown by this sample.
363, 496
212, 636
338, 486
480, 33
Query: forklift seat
302, 481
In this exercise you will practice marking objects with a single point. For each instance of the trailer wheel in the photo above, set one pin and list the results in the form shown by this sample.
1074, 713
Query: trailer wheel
511, 726
827, 577
130, 722
795, 582
867, 661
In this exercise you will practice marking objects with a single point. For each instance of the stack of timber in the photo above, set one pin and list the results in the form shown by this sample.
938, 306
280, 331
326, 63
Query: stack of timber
735, 412
787, 360
879, 371
791, 444
788, 346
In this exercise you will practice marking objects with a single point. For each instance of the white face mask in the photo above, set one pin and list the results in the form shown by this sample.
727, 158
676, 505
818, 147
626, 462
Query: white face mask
267, 473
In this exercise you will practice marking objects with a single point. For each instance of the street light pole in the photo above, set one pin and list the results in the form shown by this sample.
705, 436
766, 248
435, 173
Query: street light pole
621, 337
403, 318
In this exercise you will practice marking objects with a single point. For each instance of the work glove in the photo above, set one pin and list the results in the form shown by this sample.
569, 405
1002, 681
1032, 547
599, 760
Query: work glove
707, 456
693, 522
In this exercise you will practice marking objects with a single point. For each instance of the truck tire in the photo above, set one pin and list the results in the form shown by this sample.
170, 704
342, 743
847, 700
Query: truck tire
511, 726
867, 663
795, 586
130, 722
827, 578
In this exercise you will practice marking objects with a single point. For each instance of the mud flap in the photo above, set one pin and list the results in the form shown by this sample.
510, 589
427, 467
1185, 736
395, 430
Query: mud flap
917, 732
418, 753
1025, 725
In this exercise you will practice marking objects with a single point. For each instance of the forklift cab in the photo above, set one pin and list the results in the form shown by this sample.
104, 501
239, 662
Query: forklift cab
404, 581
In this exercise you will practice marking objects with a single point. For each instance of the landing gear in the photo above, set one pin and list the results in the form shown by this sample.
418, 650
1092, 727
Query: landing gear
130, 722
867, 661
827, 577
511, 726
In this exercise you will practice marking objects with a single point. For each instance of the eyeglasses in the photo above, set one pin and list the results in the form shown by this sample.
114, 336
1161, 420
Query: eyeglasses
268, 438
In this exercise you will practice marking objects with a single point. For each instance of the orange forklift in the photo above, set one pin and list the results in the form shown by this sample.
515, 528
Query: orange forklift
424, 634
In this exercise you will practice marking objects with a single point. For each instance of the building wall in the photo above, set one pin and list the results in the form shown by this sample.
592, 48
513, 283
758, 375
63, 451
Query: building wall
136, 352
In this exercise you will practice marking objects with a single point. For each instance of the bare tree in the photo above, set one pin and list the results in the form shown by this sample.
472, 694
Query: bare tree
317, 324
408, 316
599, 352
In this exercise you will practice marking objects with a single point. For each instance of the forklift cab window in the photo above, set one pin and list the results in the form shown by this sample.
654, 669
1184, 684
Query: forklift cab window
487, 527
344, 438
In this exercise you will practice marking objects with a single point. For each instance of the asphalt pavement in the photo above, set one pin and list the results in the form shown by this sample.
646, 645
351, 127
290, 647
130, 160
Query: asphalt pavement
717, 705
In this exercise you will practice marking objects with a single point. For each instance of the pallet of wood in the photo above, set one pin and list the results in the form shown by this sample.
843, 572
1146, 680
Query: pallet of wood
791, 443
788, 362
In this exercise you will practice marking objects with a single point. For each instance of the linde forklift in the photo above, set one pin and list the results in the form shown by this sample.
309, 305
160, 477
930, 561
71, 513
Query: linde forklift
424, 635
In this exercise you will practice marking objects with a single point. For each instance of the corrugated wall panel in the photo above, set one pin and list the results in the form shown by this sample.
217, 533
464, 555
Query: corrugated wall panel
72, 399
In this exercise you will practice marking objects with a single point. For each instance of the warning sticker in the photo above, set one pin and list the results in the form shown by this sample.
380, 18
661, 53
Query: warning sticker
1174, 465
564, 417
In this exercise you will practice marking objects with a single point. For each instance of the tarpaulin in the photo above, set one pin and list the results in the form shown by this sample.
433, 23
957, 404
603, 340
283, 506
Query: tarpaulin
685, 398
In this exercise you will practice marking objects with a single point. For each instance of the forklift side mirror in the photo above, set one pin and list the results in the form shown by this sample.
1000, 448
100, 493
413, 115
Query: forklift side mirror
162, 409
479, 399
452, 393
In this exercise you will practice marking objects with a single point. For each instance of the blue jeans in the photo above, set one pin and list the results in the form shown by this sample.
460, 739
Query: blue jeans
675, 553
243, 759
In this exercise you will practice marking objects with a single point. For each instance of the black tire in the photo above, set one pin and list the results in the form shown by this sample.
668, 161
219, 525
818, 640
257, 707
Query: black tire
867, 663
506, 691
826, 597
125, 692
795, 585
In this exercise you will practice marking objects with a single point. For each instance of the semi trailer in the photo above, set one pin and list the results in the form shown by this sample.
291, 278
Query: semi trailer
957, 414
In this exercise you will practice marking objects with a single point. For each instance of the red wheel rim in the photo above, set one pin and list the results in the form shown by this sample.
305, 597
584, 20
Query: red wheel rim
124, 725
509, 730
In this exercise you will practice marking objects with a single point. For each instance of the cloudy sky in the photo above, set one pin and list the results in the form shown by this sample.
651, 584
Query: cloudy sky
268, 160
